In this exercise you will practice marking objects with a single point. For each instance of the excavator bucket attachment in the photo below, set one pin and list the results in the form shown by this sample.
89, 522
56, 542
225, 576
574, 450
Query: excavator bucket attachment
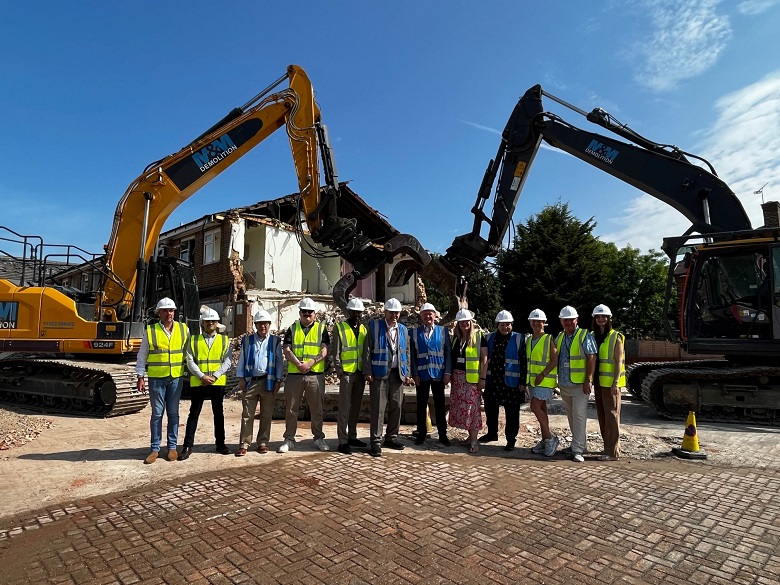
446, 282
363, 267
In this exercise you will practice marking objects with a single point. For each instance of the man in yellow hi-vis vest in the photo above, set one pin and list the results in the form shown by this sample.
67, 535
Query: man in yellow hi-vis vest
161, 357
208, 360
305, 347
348, 337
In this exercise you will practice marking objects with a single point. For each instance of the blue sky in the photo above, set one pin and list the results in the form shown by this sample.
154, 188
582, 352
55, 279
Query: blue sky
415, 95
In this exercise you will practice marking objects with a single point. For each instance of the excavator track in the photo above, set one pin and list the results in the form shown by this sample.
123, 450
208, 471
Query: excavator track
63, 386
730, 394
636, 372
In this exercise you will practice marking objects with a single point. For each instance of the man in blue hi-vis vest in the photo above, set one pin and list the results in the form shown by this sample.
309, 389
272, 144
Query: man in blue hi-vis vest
386, 369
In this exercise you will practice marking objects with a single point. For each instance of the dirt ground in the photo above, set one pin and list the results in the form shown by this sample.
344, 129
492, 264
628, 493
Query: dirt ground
47, 460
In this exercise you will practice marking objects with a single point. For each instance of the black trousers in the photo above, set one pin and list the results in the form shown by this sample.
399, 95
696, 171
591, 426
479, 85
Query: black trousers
423, 392
512, 411
199, 394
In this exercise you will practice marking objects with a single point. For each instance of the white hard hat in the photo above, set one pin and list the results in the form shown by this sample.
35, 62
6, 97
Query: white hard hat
307, 304
392, 305
602, 310
537, 315
165, 303
504, 317
464, 315
355, 305
428, 307
261, 316
568, 312
209, 315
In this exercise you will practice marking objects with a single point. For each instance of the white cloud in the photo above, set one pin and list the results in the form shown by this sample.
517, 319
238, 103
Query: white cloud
481, 127
753, 7
686, 39
743, 144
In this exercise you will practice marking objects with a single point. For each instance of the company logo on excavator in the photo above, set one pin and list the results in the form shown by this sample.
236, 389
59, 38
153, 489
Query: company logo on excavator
8, 314
602, 152
210, 155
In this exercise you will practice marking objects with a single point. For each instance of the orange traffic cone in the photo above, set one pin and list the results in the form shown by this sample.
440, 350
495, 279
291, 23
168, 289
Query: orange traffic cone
690, 442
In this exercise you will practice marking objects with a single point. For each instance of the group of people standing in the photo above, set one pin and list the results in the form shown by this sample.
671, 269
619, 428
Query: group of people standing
500, 368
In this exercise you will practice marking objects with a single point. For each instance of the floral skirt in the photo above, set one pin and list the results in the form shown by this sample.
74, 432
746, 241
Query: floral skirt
465, 401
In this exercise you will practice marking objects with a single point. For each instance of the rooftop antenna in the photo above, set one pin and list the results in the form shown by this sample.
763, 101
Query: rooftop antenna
761, 192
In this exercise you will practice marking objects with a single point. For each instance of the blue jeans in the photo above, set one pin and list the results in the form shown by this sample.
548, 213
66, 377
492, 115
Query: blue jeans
164, 394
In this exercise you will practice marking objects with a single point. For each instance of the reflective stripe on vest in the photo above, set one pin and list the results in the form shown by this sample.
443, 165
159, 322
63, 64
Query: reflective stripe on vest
380, 353
351, 347
577, 361
511, 358
607, 361
166, 355
538, 356
307, 347
209, 359
430, 352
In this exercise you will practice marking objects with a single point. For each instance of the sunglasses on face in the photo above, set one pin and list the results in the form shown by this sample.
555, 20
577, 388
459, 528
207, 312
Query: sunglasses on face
306, 312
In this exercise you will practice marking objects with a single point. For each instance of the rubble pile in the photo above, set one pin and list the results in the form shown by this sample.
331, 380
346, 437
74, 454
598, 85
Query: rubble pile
17, 429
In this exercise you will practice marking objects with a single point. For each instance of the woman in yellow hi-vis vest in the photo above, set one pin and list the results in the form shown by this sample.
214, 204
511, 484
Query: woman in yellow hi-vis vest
610, 380
162, 350
542, 362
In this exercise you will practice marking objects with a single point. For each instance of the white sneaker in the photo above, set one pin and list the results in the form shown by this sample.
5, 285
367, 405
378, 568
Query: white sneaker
551, 445
288, 445
321, 445
538, 448
578, 458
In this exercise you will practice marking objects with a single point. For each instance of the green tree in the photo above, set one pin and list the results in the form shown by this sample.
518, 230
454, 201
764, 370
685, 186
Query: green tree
636, 295
555, 260
483, 294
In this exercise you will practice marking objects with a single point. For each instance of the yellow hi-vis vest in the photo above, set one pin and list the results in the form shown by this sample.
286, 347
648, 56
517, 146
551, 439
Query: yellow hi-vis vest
208, 359
351, 347
472, 360
307, 347
607, 361
577, 361
538, 355
166, 355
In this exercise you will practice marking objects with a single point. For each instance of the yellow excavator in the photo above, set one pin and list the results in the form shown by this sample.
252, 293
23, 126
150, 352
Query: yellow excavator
67, 350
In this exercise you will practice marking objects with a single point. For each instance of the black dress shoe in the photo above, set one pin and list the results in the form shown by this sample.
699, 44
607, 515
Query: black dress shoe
375, 450
488, 438
356, 443
185, 454
394, 444
419, 440
509, 446
445, 441
345, 449
223, 450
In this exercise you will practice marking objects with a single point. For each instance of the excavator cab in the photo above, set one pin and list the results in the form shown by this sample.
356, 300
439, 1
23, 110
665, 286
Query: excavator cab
731, 302
174, 278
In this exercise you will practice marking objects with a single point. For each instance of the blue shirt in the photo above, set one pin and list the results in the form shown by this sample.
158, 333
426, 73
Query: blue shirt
261, 359
564, 369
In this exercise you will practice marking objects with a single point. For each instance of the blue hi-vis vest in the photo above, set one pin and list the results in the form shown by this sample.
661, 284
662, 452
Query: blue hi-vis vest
511, 359
430, 353
380, 363
275, 369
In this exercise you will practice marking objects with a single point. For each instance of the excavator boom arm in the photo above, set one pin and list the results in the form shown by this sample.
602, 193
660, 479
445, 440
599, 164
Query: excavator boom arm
661, 171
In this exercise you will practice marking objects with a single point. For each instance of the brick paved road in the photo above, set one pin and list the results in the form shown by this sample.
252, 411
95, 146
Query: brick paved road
327, 518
